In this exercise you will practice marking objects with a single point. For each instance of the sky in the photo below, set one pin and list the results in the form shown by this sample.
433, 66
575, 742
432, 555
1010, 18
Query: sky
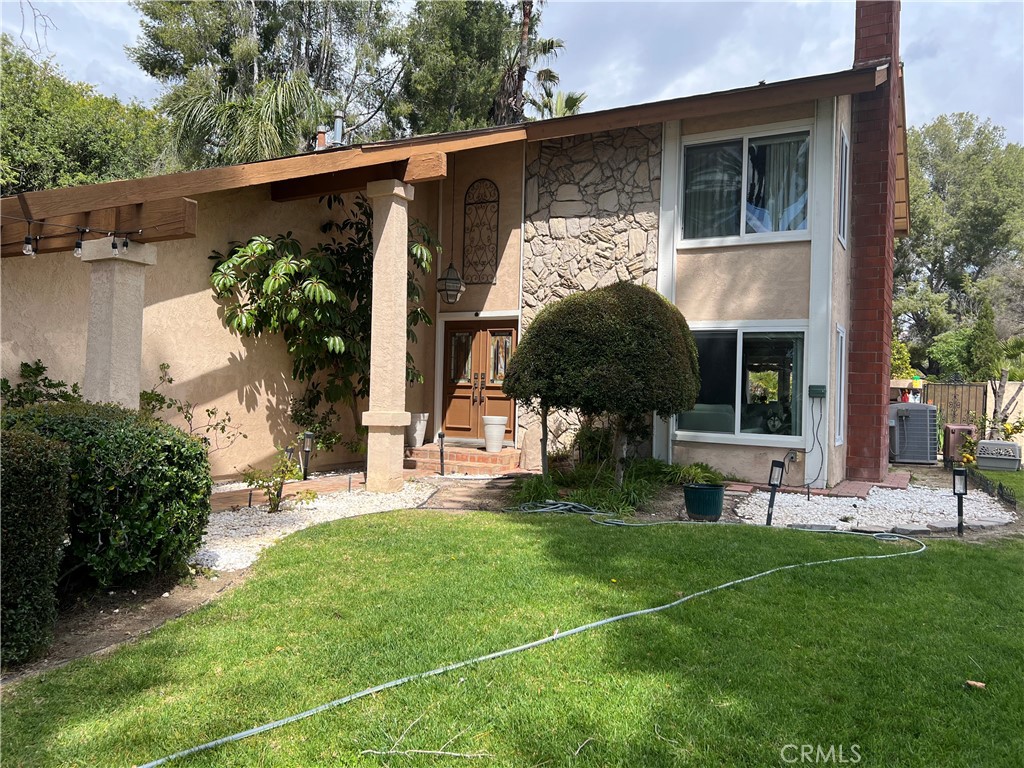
958, 56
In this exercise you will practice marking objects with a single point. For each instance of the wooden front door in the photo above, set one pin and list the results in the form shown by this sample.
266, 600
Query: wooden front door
475, 356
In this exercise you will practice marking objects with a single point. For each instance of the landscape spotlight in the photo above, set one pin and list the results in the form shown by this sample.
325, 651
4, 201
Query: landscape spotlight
774, 480
307, 448
960, 490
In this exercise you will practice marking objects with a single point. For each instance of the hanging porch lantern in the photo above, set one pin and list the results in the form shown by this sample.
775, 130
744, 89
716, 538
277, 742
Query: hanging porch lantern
450, 284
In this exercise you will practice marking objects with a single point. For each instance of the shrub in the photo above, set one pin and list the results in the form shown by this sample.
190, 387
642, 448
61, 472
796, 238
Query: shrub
34, 487
36, 387
593, 442
271, 481
535, 488
695, 473
622, 351
139, 490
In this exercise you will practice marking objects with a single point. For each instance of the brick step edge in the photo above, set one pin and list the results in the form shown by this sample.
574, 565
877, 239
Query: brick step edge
457, 468
508, 459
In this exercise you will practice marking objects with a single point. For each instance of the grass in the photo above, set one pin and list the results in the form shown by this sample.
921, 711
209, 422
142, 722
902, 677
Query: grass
866, 653
1012, 480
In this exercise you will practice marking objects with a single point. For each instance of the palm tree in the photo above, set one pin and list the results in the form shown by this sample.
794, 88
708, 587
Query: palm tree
214, 126
509, 104
552, 103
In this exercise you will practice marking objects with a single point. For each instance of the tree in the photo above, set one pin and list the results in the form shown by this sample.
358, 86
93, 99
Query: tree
456, 53
512, 97
900, 367
241, 69
622, 351
967, 213
320, 302
58, 133
984, 351
469, 62
552, 103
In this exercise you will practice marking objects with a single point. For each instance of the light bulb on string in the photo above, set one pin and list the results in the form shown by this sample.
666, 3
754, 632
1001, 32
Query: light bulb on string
26, 249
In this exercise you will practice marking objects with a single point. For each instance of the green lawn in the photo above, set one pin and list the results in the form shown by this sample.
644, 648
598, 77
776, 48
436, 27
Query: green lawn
1012, 480
865, 653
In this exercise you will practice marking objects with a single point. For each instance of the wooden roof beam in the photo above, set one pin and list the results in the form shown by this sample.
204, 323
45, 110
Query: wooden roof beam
724, 102
57, 202
160, 220
418, 169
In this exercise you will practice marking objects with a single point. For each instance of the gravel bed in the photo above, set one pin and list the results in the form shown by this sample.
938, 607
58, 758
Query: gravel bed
235, 538
883, 507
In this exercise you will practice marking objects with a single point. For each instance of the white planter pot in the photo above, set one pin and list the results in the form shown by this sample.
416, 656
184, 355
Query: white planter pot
494, 433
417, 430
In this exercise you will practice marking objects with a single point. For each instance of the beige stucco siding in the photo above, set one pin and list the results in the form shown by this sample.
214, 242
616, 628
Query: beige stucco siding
748, 462
43, 314
840, 301
502, 164
750, 282
747, 118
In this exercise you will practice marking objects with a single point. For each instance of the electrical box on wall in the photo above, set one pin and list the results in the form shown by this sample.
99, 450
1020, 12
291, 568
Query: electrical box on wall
816, 391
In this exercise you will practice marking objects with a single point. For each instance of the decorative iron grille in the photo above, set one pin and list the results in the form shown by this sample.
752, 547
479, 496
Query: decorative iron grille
480, 233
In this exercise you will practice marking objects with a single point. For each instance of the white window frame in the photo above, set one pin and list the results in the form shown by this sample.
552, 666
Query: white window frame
841, 368
747, 438
745, 135
843, 223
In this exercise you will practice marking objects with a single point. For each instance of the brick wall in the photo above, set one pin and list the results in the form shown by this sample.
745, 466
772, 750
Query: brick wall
873, 167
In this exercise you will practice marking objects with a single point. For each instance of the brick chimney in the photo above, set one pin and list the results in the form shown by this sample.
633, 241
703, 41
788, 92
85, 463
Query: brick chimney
873, 154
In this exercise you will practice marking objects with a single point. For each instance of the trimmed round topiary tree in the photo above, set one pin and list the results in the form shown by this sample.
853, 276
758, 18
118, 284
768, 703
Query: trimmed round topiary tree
624, 351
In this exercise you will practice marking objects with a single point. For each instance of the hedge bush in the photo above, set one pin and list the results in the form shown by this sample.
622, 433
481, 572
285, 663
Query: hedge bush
139, 490
34, 487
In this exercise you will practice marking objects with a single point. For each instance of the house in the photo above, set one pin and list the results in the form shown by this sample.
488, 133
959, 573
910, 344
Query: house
767, 214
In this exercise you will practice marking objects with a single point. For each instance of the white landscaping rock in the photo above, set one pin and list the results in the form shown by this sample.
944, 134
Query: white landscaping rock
235, 538
885, 507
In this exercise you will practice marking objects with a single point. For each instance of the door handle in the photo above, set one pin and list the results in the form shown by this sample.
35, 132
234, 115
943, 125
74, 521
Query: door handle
476, 377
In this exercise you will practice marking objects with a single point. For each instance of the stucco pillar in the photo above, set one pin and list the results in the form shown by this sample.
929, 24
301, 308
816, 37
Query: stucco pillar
113, 353
387, 418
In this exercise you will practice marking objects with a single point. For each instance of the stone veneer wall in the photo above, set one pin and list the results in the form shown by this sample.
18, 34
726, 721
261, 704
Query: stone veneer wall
592, 206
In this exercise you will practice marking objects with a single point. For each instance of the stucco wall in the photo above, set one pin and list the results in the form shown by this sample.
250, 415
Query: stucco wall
592, 206
736, 120
753, 282
840, 301
502, 164
44, 309
45, 315
748, 462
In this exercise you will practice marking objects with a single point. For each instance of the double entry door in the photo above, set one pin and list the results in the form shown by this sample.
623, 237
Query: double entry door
476, 354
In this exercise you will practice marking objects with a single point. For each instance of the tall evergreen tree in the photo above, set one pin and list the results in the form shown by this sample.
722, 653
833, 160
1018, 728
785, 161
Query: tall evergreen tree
967, 226
251, 79
58, 133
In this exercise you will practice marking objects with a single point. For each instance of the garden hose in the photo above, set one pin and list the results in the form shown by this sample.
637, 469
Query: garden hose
556, 507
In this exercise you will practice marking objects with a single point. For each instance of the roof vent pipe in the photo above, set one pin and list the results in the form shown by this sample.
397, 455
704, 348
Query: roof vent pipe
321, 138
339, 129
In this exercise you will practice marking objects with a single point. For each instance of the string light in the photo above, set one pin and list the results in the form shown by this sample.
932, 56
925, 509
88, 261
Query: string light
31, 244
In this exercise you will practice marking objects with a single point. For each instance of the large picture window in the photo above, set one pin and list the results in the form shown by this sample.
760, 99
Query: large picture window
751, 383
746, 186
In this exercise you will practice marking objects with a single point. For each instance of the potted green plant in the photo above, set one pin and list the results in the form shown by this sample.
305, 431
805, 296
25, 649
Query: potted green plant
703, 491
